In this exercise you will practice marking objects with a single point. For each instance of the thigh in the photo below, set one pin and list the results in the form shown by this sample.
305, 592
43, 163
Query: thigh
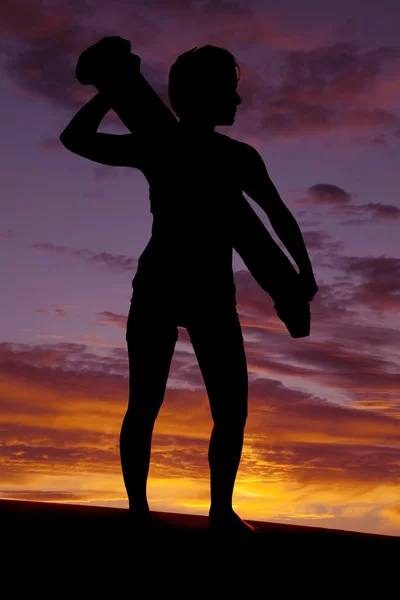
219, 347
151, 335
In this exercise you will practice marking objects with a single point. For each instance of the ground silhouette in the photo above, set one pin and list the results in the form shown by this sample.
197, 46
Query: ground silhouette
76, 550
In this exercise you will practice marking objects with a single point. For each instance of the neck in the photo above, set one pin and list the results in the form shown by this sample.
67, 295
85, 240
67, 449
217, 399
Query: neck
197, 128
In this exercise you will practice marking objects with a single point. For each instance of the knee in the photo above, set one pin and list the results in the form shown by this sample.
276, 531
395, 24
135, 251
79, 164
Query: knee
140, 416
232, 424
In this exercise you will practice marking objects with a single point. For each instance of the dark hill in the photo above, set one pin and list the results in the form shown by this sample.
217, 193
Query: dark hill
64, 550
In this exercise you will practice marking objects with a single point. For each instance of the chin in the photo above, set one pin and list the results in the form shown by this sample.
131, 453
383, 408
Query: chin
228, 120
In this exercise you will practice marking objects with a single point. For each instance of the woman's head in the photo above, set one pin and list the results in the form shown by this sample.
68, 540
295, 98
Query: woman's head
202, 84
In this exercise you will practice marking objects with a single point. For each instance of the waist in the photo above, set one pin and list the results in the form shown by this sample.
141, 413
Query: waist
187, 248
186, 275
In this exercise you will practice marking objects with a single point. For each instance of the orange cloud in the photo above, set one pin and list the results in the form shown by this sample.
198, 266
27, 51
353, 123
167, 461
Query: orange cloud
61, 412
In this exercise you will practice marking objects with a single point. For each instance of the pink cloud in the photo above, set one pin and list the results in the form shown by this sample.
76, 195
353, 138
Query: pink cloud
110, 317
305, 87
325, 193
112, 262
51, 145
7, 236
340, 203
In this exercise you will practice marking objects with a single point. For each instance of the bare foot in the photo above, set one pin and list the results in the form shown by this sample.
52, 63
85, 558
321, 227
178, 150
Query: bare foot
229, 521
141, 518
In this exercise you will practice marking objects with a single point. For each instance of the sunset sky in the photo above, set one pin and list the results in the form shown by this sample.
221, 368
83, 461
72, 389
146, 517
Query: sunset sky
320, 89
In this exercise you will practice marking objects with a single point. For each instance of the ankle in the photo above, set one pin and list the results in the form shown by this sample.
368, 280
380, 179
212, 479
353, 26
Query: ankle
138, 507
221, 510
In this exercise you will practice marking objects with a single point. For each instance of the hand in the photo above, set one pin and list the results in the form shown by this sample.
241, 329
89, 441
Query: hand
108, 58
308, 283
117, 70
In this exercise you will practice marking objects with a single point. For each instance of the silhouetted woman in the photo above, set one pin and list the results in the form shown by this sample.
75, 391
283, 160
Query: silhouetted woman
185, 278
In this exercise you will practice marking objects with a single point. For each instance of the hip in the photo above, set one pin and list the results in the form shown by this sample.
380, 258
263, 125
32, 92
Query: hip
183, 307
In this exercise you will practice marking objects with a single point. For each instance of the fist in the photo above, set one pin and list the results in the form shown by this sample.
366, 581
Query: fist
104, 59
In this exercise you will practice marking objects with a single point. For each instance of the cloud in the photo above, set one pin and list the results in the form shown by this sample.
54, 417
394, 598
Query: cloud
379, 140
110, 317
10, 235
337, 312
111, 262
393, 513
339, 203
378, 287
37, 41
381, 211
61, 408
365, 466
47, 496
51, 248
69, 369
324, 89
325, 193
50, 145
302, 88
58, 309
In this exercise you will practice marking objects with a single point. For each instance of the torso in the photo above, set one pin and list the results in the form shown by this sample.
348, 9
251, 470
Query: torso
193, 185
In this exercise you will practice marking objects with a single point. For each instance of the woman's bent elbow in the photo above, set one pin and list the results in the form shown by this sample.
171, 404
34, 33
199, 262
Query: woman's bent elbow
67, 140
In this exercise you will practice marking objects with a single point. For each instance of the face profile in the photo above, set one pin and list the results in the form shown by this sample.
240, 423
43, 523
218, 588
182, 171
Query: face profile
224, 99
215, 103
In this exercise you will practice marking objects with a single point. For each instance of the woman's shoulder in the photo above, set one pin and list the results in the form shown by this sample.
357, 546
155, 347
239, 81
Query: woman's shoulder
225, 138
235, 146
221, 137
